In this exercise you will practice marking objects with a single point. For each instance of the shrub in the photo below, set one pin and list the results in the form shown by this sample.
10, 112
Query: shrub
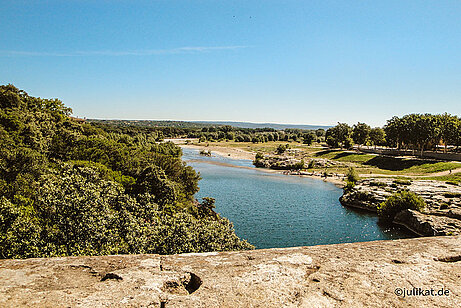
402, 182
363, 196
349, 186
282, 148
298, 165
398, 202
378, 184
351, 175
259, 155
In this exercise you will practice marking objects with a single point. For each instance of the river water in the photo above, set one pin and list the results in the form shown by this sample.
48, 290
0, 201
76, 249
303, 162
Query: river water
273, 210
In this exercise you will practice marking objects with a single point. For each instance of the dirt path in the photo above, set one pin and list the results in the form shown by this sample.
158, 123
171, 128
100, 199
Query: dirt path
440, 173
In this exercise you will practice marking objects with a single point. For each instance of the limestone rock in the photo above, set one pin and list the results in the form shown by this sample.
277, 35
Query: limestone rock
443, 203
344, 275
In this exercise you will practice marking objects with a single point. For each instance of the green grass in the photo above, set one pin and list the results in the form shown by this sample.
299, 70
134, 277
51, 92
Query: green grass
265, 147
452, 178
434, 167
364, 163
345, 156
385, 163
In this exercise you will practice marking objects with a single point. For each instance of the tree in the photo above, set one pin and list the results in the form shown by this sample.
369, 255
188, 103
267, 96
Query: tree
70, 188
448, 129
308, 138
320, 132
337, 135
377, 136
361, 133
282, 148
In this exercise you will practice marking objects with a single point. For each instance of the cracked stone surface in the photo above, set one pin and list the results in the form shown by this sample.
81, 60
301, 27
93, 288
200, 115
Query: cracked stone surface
344, 275
442, 215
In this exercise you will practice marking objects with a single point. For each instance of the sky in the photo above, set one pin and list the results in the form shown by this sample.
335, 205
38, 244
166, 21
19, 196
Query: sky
298, 62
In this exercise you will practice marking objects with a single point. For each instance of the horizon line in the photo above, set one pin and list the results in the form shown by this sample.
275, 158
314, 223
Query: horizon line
204, 121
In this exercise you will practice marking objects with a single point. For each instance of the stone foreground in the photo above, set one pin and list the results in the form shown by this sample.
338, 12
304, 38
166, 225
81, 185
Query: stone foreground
344, 275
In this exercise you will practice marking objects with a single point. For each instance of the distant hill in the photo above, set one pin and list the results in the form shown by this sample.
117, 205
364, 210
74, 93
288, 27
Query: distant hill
151, 123
199, 124
262, 125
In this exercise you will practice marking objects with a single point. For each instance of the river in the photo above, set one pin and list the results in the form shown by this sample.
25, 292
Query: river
273, 210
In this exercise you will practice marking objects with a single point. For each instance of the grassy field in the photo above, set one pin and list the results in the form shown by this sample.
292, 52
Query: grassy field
266, 147
364, 163
450, 179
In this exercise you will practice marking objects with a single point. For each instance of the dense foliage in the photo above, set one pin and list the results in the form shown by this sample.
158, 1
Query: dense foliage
398, 202
412, 131
70, 188
210, 132
423, 131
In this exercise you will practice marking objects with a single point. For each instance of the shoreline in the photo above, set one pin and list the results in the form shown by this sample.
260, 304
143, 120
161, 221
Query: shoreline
245, 155
222, 151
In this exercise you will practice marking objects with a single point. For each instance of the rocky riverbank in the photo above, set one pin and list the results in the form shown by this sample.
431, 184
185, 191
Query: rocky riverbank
442, 215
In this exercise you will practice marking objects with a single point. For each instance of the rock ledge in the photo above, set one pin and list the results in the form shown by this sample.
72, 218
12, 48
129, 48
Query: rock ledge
344, 275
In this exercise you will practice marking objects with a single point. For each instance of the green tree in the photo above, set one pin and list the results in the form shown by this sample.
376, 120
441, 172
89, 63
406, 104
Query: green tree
281, 148
448, 128
338, 135
308, 138
361, 133
68, 187
377, 136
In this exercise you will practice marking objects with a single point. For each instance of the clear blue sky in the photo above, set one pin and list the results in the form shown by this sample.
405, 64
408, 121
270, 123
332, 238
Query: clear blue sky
301, 62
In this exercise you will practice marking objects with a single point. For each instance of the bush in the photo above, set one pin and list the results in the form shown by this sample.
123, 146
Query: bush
282, 148
349, 186
259, 155
71, 188
402, 182
298, 165
378, 184
351, 175
398, 202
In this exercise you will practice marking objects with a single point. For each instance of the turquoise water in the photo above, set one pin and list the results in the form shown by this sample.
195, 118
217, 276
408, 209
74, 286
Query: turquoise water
274, 210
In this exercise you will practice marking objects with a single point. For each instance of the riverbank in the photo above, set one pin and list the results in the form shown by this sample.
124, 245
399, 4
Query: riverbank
334, 161
442, 215
235, 153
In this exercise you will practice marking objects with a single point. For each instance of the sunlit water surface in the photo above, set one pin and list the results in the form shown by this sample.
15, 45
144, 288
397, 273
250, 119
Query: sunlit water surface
274, 210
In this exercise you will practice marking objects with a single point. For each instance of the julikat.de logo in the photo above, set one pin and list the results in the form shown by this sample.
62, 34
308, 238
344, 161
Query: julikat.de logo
403, 292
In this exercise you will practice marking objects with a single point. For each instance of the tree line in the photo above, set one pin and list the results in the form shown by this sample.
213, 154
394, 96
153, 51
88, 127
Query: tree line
413, 131
211, 133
